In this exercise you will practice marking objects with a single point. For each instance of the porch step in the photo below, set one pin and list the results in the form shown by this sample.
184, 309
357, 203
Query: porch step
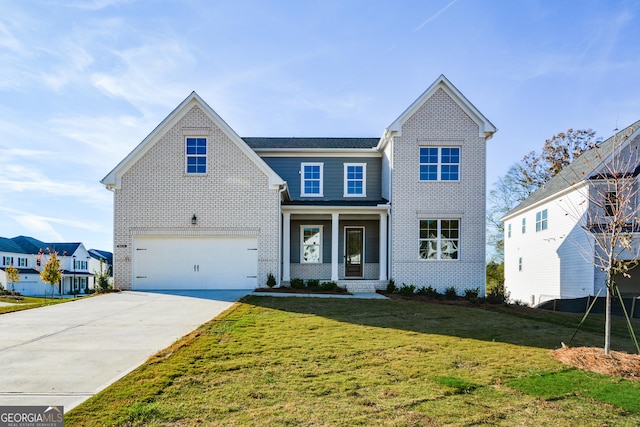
355, 286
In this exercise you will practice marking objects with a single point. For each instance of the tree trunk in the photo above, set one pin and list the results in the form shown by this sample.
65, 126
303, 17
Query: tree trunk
607, 320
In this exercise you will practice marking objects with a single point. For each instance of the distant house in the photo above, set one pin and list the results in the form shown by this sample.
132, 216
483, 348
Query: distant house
548, 253
29, 255
198, 207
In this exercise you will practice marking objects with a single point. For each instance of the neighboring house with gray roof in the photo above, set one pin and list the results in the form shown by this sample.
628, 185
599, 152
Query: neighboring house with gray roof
548, 252
29, 255
198, 207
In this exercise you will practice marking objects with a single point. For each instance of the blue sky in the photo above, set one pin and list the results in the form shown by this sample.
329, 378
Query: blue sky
83, 82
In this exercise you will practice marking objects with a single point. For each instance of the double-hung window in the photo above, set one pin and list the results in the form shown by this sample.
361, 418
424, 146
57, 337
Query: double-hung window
311, 176
611, 203
311, 245
196, 153
524, 225
22, 262
541, 220
439, 238
355, 176
439, 163
7, 260
508, 230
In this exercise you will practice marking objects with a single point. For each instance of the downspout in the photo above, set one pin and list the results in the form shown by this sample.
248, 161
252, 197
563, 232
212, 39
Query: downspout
283, 188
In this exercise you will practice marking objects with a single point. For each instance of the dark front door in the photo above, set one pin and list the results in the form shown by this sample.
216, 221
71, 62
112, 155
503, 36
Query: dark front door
354, 251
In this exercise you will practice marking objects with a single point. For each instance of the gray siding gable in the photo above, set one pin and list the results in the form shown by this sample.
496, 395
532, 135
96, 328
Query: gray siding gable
289, 169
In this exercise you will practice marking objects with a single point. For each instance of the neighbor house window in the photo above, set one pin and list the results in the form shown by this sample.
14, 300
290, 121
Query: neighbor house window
311, 244
22, 262
355, 176
611, 203
7, 260
520, 264
439, 163
196, 149
311, 184
439, 238
524, 225
508, 230
541, 220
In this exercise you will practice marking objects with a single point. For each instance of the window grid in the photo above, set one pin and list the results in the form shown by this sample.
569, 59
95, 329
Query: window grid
439, 163
311, 179
524, 225
541, 220
355, 179
508, 230
196, 150
439, 239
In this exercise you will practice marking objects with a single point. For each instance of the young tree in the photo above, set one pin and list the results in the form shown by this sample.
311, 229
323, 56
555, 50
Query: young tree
102, 278
13, 276
52, 272
610, 214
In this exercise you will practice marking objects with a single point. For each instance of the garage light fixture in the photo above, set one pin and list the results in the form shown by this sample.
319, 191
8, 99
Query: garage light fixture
194, 219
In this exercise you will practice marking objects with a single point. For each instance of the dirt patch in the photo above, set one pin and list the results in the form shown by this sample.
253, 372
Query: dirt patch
593, 359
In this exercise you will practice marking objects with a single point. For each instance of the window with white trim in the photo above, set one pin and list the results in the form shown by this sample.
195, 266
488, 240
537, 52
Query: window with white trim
508, 230
541, 220
196, 155
524, 225
520, 264
439, 238
311, 244
439, 163
311, 179
7, 260
22, 262
355, 179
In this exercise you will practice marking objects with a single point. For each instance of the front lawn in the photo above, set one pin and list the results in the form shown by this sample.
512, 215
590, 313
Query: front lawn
25, 303
329, 362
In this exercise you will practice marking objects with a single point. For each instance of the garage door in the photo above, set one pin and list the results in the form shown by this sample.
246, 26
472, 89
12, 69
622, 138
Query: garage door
195, 263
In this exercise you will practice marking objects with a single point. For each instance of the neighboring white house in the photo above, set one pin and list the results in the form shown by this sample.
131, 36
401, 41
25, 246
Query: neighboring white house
198, 207
548, 248
29, 255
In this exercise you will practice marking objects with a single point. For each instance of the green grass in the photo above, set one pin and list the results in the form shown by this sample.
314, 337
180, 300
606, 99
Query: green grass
326, 362
27, 303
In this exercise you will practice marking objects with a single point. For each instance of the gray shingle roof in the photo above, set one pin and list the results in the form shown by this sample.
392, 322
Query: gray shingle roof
8, 245
582, 168
257, 143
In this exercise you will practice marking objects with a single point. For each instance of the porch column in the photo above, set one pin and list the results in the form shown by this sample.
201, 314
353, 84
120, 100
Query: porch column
383, 246
335, 233
286, 247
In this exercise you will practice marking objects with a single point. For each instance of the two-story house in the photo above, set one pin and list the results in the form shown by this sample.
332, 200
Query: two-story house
196, 206
29, 255
551, 248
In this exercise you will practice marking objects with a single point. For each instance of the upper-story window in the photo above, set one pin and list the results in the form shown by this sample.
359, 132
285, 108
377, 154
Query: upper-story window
509, 230
80, 265
611, 203
22, 262
439, 163
355, 179
524, 225
439, 238
541, 220
196, 153
7, 260
311, 175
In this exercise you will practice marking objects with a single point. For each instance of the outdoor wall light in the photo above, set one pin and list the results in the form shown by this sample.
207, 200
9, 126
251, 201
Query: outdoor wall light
194, 219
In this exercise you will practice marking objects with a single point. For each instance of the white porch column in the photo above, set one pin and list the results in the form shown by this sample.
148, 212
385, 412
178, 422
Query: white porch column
286, 247
383, 246
335, 233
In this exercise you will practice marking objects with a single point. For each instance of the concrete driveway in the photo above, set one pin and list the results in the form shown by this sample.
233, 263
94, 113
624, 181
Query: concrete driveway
64, 354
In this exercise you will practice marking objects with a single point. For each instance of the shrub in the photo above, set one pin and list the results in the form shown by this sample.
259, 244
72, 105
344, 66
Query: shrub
497, 295
102, 279
391, 287
406, 290
450, 293
472, 294
313, 283
271, 280
329, 286
430, 292
297, 283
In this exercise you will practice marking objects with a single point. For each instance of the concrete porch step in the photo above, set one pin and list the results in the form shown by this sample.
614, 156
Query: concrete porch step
356, 286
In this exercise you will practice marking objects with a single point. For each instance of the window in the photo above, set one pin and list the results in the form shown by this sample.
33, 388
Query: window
508, 230
311, 179
22, 262
611, 203
524, 225
79, 265
520, 264
541, 220
355, 176
439, 238
311, 244
196, 155
7, 260
439, 163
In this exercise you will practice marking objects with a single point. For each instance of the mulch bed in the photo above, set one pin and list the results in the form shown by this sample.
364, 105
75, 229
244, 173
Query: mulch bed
619, 364
300, 291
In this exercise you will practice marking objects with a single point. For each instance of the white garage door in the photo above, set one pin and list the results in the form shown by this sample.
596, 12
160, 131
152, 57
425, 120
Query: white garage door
195, 263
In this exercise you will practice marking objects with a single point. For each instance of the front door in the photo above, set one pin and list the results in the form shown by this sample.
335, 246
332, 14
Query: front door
354, 251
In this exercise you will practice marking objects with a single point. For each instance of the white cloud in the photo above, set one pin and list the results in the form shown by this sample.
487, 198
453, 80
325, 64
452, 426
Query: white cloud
434, 16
